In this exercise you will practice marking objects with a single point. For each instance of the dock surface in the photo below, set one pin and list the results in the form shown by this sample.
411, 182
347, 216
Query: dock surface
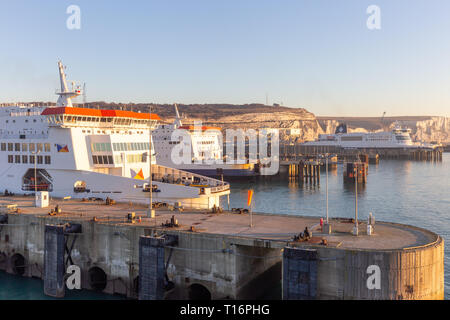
215, 255
277, 228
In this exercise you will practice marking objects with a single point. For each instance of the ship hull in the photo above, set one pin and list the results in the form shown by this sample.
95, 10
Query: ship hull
224, 172
217, 170
99, 185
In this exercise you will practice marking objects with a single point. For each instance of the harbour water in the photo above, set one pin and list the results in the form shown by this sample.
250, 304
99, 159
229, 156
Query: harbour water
410, 192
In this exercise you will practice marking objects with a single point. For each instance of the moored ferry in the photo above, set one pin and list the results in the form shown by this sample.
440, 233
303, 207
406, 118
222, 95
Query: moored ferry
206, 150
398, 137
82, 153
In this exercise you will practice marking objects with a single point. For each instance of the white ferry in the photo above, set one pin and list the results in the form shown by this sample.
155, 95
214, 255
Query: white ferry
83, 153
397, 138
206, 150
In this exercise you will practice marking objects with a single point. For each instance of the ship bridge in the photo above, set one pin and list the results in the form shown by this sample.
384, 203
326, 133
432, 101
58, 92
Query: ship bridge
125, 153
84, 117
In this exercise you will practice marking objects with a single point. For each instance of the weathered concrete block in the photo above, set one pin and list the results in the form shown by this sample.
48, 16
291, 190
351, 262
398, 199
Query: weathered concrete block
299, 274
54, 267
151, 268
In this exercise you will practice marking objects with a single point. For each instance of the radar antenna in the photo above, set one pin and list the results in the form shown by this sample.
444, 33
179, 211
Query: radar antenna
177, 121
65, 96
84, 95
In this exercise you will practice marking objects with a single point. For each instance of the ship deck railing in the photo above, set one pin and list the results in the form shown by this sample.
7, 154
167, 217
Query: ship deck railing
175, 176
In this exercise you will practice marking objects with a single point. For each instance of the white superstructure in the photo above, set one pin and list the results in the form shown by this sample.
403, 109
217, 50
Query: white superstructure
81, 153
397, 138
206, 149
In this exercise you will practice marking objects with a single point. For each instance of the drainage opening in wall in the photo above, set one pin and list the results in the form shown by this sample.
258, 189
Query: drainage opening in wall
199, 292
136, 285
97, 279
3, 257
18, 264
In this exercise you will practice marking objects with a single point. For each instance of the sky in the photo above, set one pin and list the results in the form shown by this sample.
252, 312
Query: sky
315, 54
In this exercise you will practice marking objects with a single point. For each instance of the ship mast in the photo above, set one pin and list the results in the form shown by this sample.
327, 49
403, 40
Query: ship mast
177, 121
65, 96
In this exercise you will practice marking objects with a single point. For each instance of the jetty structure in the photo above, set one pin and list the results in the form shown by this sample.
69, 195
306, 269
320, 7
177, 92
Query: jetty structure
82, 153
197, 254
394, 144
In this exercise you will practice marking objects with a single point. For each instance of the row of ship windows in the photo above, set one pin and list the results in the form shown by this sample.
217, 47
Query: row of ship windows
29, 159
131, 158
350, 138
30, 131
26, 120
131, 146
120, 146
379, 139
112, 132
25, 147
22, 133
73, 119
102, 160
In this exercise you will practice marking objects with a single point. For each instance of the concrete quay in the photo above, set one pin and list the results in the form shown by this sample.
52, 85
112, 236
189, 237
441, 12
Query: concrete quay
216, 255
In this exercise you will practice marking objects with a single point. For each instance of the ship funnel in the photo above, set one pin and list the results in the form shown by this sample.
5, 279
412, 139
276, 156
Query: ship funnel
341, 128
65, 96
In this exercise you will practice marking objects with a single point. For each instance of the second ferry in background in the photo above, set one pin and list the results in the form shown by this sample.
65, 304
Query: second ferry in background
206, 150
396, 138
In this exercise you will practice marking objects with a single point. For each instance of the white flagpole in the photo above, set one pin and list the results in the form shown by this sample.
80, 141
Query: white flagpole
251, 215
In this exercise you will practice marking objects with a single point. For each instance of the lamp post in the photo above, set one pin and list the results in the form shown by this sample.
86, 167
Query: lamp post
35, 153
326, 168
355, 228
327, 226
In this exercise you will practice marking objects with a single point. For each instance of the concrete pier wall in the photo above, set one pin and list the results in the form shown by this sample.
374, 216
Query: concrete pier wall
100, 248
204, 265
223, 265
228, 267
258, 270
202, 261
408, 274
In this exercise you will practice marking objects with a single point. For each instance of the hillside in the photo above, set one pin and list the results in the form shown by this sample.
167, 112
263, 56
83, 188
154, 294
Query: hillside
205, 112
227, 116
255, 116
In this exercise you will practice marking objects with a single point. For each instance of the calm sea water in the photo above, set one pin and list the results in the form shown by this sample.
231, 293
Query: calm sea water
416, 193
409, 192
19, 288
